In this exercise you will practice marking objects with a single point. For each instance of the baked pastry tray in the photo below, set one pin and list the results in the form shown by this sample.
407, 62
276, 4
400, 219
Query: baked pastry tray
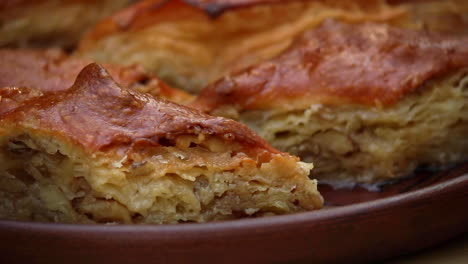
356, 226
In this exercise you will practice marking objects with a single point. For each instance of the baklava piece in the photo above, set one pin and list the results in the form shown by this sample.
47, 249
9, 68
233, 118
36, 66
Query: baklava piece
41, 23
51, 70
190, 43
100, 153
366, 103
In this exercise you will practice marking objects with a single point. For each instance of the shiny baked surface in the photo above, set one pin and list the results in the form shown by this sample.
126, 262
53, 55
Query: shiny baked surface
337, 63
12, 97
189, 46
96, 113
366, 103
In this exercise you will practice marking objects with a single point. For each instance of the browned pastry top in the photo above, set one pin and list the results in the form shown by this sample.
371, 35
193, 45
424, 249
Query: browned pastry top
52, 70
368, 64
140, 15
12, 97
98, 114
149, 12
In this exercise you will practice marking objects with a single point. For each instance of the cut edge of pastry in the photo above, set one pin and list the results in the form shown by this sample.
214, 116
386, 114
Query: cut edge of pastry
356, 144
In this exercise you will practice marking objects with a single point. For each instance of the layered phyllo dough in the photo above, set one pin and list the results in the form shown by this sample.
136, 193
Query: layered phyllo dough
102, 153
191, 43
366, 103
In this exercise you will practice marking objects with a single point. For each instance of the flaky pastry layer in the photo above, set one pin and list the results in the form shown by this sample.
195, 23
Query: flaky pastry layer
352, 143
366, 103
99, 153
337, 63
189, 48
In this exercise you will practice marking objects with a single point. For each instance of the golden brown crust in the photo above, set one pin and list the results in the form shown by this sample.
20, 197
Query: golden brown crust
137, 16
98, 114
12, 97
151, 12
189, 48
52, 70
367, 64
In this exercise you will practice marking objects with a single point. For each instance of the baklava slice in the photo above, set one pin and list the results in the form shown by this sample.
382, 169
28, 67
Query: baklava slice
44, 23
366, 103
191, 43
51, 70
100, 153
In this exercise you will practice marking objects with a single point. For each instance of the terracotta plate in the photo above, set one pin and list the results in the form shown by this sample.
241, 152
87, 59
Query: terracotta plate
357, 226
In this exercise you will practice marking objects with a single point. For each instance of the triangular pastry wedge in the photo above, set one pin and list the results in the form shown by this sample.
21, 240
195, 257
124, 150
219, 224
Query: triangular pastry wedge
100, 153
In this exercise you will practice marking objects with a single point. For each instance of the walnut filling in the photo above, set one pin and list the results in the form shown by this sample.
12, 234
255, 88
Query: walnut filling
353, 143
187, 179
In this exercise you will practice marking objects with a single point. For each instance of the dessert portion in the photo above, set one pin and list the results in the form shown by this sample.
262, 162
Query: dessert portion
365, 103
189, 44
101, 153
60, 23
51, 70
